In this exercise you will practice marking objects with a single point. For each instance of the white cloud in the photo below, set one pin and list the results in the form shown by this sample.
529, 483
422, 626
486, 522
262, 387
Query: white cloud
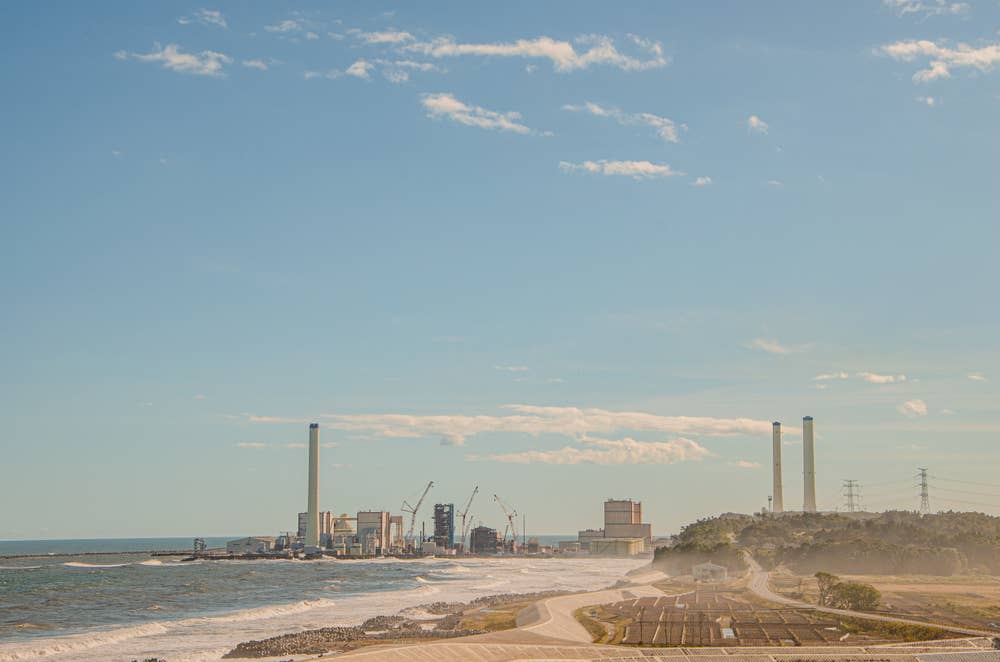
200, 397
928, 8
255, 64
930, 101
360, 69
913, 408
638, 170
312, 36
210, 17
941, 59
511, 368
447, 106
702, 181
607, 451
747, 464
873, 378
384, 37
285, 27
562, 54
205, 63
772, 346
977, 377
577, 423
665, 128
251, 444
831, 375
757, 125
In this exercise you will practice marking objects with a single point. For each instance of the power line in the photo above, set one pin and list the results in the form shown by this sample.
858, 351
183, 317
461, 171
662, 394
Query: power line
852, 491
987, 494
967, 482
971, 503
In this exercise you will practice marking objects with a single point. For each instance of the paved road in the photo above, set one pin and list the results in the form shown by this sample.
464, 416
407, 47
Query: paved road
556, 614
758, 584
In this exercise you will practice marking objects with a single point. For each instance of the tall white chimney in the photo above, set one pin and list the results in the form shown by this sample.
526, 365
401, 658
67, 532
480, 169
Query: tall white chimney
779, 500
808, 466
312, 507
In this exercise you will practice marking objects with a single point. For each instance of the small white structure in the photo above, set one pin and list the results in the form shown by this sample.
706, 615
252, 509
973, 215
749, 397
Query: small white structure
251, 545
710, 572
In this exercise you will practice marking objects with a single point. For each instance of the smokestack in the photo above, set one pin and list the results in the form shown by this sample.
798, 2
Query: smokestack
312, 507
808, 466
779, 500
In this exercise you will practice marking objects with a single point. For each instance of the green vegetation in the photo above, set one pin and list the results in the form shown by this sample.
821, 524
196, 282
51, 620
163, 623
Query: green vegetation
597, 631
890, 543
846, 595
889, 630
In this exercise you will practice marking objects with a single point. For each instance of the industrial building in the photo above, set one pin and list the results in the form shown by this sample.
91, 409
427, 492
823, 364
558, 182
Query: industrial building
444, 525
484, 540
250, 545
624, 533
374, 532
325, 523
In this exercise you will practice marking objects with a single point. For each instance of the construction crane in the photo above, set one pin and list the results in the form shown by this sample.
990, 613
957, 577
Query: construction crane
465, 511
511, 514
407, 508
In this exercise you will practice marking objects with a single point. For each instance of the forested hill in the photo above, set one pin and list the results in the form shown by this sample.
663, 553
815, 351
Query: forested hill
895, 542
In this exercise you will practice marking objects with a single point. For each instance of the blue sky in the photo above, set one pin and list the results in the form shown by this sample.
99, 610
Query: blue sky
564, 251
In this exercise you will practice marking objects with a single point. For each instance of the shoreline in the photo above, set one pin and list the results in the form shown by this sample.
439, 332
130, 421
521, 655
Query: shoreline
426, 622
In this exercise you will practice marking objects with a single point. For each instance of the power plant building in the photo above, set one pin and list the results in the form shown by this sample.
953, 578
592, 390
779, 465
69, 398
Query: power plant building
374, 532
444, 525
624, 533
484, 540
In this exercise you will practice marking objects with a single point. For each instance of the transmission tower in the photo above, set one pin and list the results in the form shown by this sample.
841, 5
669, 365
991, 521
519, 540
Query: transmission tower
925, 498
852, 491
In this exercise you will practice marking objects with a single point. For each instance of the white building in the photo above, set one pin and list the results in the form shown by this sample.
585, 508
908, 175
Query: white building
251, 545
373, 532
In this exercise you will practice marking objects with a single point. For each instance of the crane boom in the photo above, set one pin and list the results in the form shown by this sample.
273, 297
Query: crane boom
407, 508
511, 514
465, 511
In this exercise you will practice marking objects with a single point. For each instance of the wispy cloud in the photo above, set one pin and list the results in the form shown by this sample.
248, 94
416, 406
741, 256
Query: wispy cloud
383, 37
927, 8
942, 59
913, 408
446, 106
757, 125
288, 26
606, 452
665, 128
210, 17
873, 378
638, 170
702, 181
772, 346
977, 377
577, 423
205, 63
511, 368
747, 464
599, 50
360, 69
260, 65
831, 375
251, 444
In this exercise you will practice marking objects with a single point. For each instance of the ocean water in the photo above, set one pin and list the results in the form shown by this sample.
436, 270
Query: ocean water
123, 607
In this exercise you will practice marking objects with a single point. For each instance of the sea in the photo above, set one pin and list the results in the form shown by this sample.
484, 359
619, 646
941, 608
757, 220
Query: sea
69, 604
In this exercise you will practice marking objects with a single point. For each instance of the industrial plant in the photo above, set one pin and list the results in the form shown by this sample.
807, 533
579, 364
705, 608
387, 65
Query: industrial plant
379, 533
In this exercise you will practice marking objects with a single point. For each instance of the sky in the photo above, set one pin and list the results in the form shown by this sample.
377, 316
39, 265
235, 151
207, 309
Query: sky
564, 251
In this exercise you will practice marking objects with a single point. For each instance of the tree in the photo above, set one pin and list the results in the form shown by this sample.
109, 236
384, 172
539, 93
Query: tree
852, 595
826, 583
